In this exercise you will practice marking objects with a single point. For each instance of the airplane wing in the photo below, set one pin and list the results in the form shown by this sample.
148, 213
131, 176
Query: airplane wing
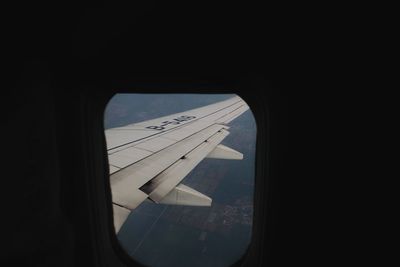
148, 160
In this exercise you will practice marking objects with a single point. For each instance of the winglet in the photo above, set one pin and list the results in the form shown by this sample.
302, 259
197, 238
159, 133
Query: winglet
224, 152
184, 195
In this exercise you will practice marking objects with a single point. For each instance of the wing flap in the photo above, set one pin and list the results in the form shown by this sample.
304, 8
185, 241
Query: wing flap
184, 195
163, 183
127, 196
224, 152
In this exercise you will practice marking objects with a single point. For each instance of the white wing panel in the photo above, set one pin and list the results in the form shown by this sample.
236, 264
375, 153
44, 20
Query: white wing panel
119, 161
118, 137
214, 117
133, 152
138, 174
155, 144
113, 169
187, 130
127, 156
176, 126
120, 215
197, 113
233, 115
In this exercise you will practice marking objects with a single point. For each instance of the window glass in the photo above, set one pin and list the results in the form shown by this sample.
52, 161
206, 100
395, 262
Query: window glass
182, 177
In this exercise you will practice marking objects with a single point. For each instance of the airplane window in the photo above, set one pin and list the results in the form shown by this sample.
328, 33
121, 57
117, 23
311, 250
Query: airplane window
182, 177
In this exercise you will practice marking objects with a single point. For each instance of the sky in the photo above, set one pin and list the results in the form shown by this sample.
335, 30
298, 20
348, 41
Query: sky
167, 235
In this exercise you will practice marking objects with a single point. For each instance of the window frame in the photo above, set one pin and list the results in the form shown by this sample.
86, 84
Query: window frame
107, 249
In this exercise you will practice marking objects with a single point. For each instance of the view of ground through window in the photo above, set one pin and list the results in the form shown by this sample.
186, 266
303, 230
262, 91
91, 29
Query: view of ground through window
177, 235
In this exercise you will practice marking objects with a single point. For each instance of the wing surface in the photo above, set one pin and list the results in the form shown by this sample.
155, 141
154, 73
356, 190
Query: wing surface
149, 159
